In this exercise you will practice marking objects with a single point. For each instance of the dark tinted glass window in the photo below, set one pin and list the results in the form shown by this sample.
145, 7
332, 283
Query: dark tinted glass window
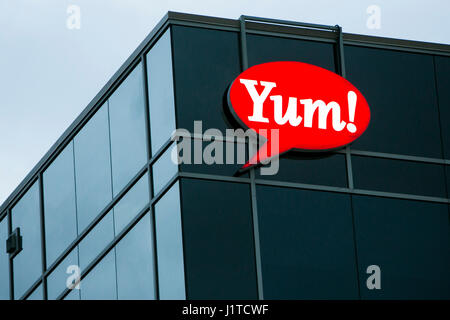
127, 121
442, 65
92, 168
447, 173
218, 239
169, 241
263, 49
160, 92
409, 241
226, 158
28, 263
206, 61
4, 261
100, 283
322, 169
134, 256
59, 204
307, 246
401, 93
398, 176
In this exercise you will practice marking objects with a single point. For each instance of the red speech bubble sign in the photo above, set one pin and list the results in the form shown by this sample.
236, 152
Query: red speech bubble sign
314, 109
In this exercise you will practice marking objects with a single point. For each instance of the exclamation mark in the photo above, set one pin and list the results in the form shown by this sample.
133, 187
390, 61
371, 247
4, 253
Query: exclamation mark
351, 97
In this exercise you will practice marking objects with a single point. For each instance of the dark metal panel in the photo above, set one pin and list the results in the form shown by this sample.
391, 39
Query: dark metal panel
396, 44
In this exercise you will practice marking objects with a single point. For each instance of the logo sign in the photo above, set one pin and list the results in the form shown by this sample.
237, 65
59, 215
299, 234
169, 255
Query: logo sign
314, 109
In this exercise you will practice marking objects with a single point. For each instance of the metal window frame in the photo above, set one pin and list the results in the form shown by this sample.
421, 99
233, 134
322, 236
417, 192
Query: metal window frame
244, 25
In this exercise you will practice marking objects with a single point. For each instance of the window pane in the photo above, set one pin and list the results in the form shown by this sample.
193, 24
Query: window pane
160, 91
447, 173
170, 246
442, 65
206, 61
135, 271
307, 248
263, 49
398, 176
37, 294
163, 170
131, 203
236, 154
218, 237
73, 295
59, 204
128, 137
321, 169
409, 241
28, 263
4, 261
92, 168
57, 280
97, 240
100, 283
400, 89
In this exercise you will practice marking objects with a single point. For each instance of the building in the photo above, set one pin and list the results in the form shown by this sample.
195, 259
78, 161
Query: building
108, 198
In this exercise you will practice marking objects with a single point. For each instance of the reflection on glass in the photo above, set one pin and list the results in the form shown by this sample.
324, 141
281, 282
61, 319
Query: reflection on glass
57, 280
131, 203
127, 123
160, 91
4, 261
163, 170
100, 283
92, 168
73, 295
97, 240
134, 255
28, 263
59, 204
37, 294
170, 246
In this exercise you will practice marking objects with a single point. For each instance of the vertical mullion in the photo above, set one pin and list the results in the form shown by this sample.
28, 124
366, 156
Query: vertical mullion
150, 175
348, 158
343, 74
43, 246
256, 240
11, 269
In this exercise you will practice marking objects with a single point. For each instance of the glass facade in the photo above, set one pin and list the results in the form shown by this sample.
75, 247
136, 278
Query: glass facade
110, 207
4, 261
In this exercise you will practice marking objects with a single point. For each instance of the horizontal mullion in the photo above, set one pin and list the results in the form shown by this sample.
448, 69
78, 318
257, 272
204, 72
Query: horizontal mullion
109, 247
398, 157
375, 193
396, 47
96, 220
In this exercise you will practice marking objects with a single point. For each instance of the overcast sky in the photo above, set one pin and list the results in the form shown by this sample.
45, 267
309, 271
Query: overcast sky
49, 73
